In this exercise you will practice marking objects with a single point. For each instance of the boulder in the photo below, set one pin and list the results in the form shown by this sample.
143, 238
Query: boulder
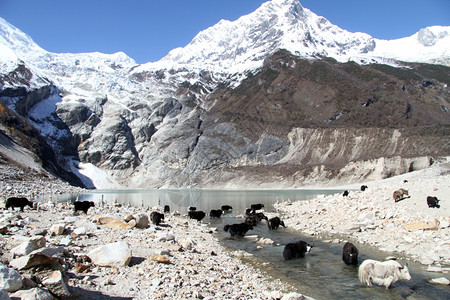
111, 221
42, 256
29, 246
57, 229
3, 229
56, 285
128, 218
39, 231
142, 221
4, 294
187, 244
79, 231
116, 254
33, 294
10, 279
440, 280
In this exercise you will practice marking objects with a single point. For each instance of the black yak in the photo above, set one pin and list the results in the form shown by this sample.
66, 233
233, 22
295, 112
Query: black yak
296, 250
166, 208
156, 217
350, 254
274, 223
18, 202
433, 202
83, 205
197, 215
238, 229
215, 213
226, 208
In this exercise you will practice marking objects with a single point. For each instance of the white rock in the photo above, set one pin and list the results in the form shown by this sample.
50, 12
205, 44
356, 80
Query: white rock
165, 237
57, 229
10, 279
80, 231
29, 246
33, 294
440, 280
71, 220
293, 296
115, 254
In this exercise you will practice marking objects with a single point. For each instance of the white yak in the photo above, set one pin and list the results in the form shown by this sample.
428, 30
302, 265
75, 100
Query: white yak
382, 273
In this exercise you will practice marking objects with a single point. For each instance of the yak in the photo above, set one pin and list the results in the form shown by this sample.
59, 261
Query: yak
197, 215
255, 207
215, 213
350, 254
382, 273
166, 209
83, 205
274, 223
226, 208
18, 202
239, 229
156, 217
296, 250
433, 202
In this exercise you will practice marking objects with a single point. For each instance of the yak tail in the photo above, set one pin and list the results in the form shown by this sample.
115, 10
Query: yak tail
364, 274
226, 227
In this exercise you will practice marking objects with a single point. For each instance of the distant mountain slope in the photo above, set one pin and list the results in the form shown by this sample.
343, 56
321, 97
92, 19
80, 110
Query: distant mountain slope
255, 101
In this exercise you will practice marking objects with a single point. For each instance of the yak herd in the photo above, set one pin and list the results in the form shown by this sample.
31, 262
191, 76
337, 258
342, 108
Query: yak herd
369, 271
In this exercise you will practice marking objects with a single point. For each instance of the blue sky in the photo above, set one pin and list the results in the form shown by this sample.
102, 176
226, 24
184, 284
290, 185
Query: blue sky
147, 30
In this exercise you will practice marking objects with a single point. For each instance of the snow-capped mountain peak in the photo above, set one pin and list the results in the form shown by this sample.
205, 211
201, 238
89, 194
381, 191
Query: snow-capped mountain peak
241, 45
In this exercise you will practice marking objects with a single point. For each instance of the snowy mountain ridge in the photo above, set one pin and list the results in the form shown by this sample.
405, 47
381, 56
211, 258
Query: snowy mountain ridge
225, 49
242, 45
145, 123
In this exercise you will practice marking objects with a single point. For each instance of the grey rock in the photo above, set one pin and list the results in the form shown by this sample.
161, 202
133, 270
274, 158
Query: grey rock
10, 279
40, 231
142, 221
4, 294
56, 285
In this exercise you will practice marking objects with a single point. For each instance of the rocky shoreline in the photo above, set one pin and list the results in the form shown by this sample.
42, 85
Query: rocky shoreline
115, 252
407, 227
182, 258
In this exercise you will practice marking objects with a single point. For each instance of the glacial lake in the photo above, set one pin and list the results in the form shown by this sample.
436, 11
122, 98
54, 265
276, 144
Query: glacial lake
321, 274
203, 199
